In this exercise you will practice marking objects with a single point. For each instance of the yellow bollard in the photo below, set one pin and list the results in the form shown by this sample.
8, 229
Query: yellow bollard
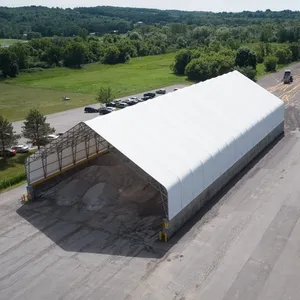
160, 235
166, 237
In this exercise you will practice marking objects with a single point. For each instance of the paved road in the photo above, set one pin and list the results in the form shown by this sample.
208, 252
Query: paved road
245, 246
289, 93
65, 120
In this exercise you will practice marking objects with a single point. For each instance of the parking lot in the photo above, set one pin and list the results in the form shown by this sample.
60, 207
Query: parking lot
65, 120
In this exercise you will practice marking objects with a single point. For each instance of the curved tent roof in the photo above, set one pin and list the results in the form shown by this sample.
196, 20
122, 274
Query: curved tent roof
188, 138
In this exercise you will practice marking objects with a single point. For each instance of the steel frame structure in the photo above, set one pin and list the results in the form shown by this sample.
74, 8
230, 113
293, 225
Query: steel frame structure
70, 139
77, 135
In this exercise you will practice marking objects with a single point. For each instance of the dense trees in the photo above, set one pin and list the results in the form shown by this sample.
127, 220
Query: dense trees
284, 54
37, 21
182, 59
75, 54
270, 63
245, 58
205, 64
8, 63
112, 35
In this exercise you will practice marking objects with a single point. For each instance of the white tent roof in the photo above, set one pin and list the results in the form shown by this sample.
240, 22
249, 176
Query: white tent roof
188, 138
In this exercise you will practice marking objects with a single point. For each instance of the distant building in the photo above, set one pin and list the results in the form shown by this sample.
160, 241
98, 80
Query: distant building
92, 34
115, 32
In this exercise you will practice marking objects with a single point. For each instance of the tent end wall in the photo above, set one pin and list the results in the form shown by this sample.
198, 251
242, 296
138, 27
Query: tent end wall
40, 187
194, 207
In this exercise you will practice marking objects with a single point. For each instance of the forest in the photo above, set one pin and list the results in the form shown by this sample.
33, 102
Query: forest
207, 44
42, 21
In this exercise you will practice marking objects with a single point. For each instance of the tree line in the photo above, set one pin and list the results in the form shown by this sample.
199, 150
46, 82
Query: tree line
214, 41
215, 60
75, 51
38, 21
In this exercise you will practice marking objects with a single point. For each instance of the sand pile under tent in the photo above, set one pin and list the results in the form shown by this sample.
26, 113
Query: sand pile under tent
110, 187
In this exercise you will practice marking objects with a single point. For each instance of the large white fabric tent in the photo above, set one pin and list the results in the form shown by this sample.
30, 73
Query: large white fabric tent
184, 140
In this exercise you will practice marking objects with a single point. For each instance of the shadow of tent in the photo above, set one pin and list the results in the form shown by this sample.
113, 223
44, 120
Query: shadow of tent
57, 224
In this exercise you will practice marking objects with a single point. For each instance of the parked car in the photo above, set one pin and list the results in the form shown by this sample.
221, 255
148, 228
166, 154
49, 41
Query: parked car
161, 92
20, 148
132, 102
51, 137
89, 109
121, 105
8, 152
175, 90
151, 95
145, 98
111, 104
106, 110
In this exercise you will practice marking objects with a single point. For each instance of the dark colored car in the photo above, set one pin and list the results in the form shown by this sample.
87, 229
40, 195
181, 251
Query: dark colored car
145, 98
111, 104
151, 95
132, 102
106, 110
89, 109
161, 92
8, 152
121, 105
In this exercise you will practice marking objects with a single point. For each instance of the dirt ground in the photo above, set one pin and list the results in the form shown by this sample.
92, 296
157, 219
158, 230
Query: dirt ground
106, 196
244, 245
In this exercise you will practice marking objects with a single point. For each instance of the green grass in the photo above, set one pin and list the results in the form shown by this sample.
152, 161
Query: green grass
138, 75
15, 100
12, 170
9, 42
44, 90
260, 68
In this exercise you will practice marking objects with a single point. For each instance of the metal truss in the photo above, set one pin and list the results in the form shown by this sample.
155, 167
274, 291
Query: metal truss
83, 133
141, 173
70, 139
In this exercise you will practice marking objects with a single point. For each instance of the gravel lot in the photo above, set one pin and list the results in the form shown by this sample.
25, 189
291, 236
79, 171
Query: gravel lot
245, 245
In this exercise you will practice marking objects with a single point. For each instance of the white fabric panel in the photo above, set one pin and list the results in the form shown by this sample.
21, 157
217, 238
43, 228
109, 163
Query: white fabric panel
67, 158
36, 171
52, 163
188, 138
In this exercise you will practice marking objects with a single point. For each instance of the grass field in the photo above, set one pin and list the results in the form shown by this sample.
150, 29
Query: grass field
12, 170
15, 100
44, 90
138, 75
9, 42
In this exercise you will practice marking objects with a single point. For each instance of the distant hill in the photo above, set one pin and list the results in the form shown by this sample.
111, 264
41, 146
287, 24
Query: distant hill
44, 21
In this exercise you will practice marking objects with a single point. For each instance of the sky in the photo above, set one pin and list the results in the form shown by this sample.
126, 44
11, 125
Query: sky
199, 5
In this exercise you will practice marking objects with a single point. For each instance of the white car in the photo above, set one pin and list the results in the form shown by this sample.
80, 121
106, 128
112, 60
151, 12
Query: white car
21, 148
52, 137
